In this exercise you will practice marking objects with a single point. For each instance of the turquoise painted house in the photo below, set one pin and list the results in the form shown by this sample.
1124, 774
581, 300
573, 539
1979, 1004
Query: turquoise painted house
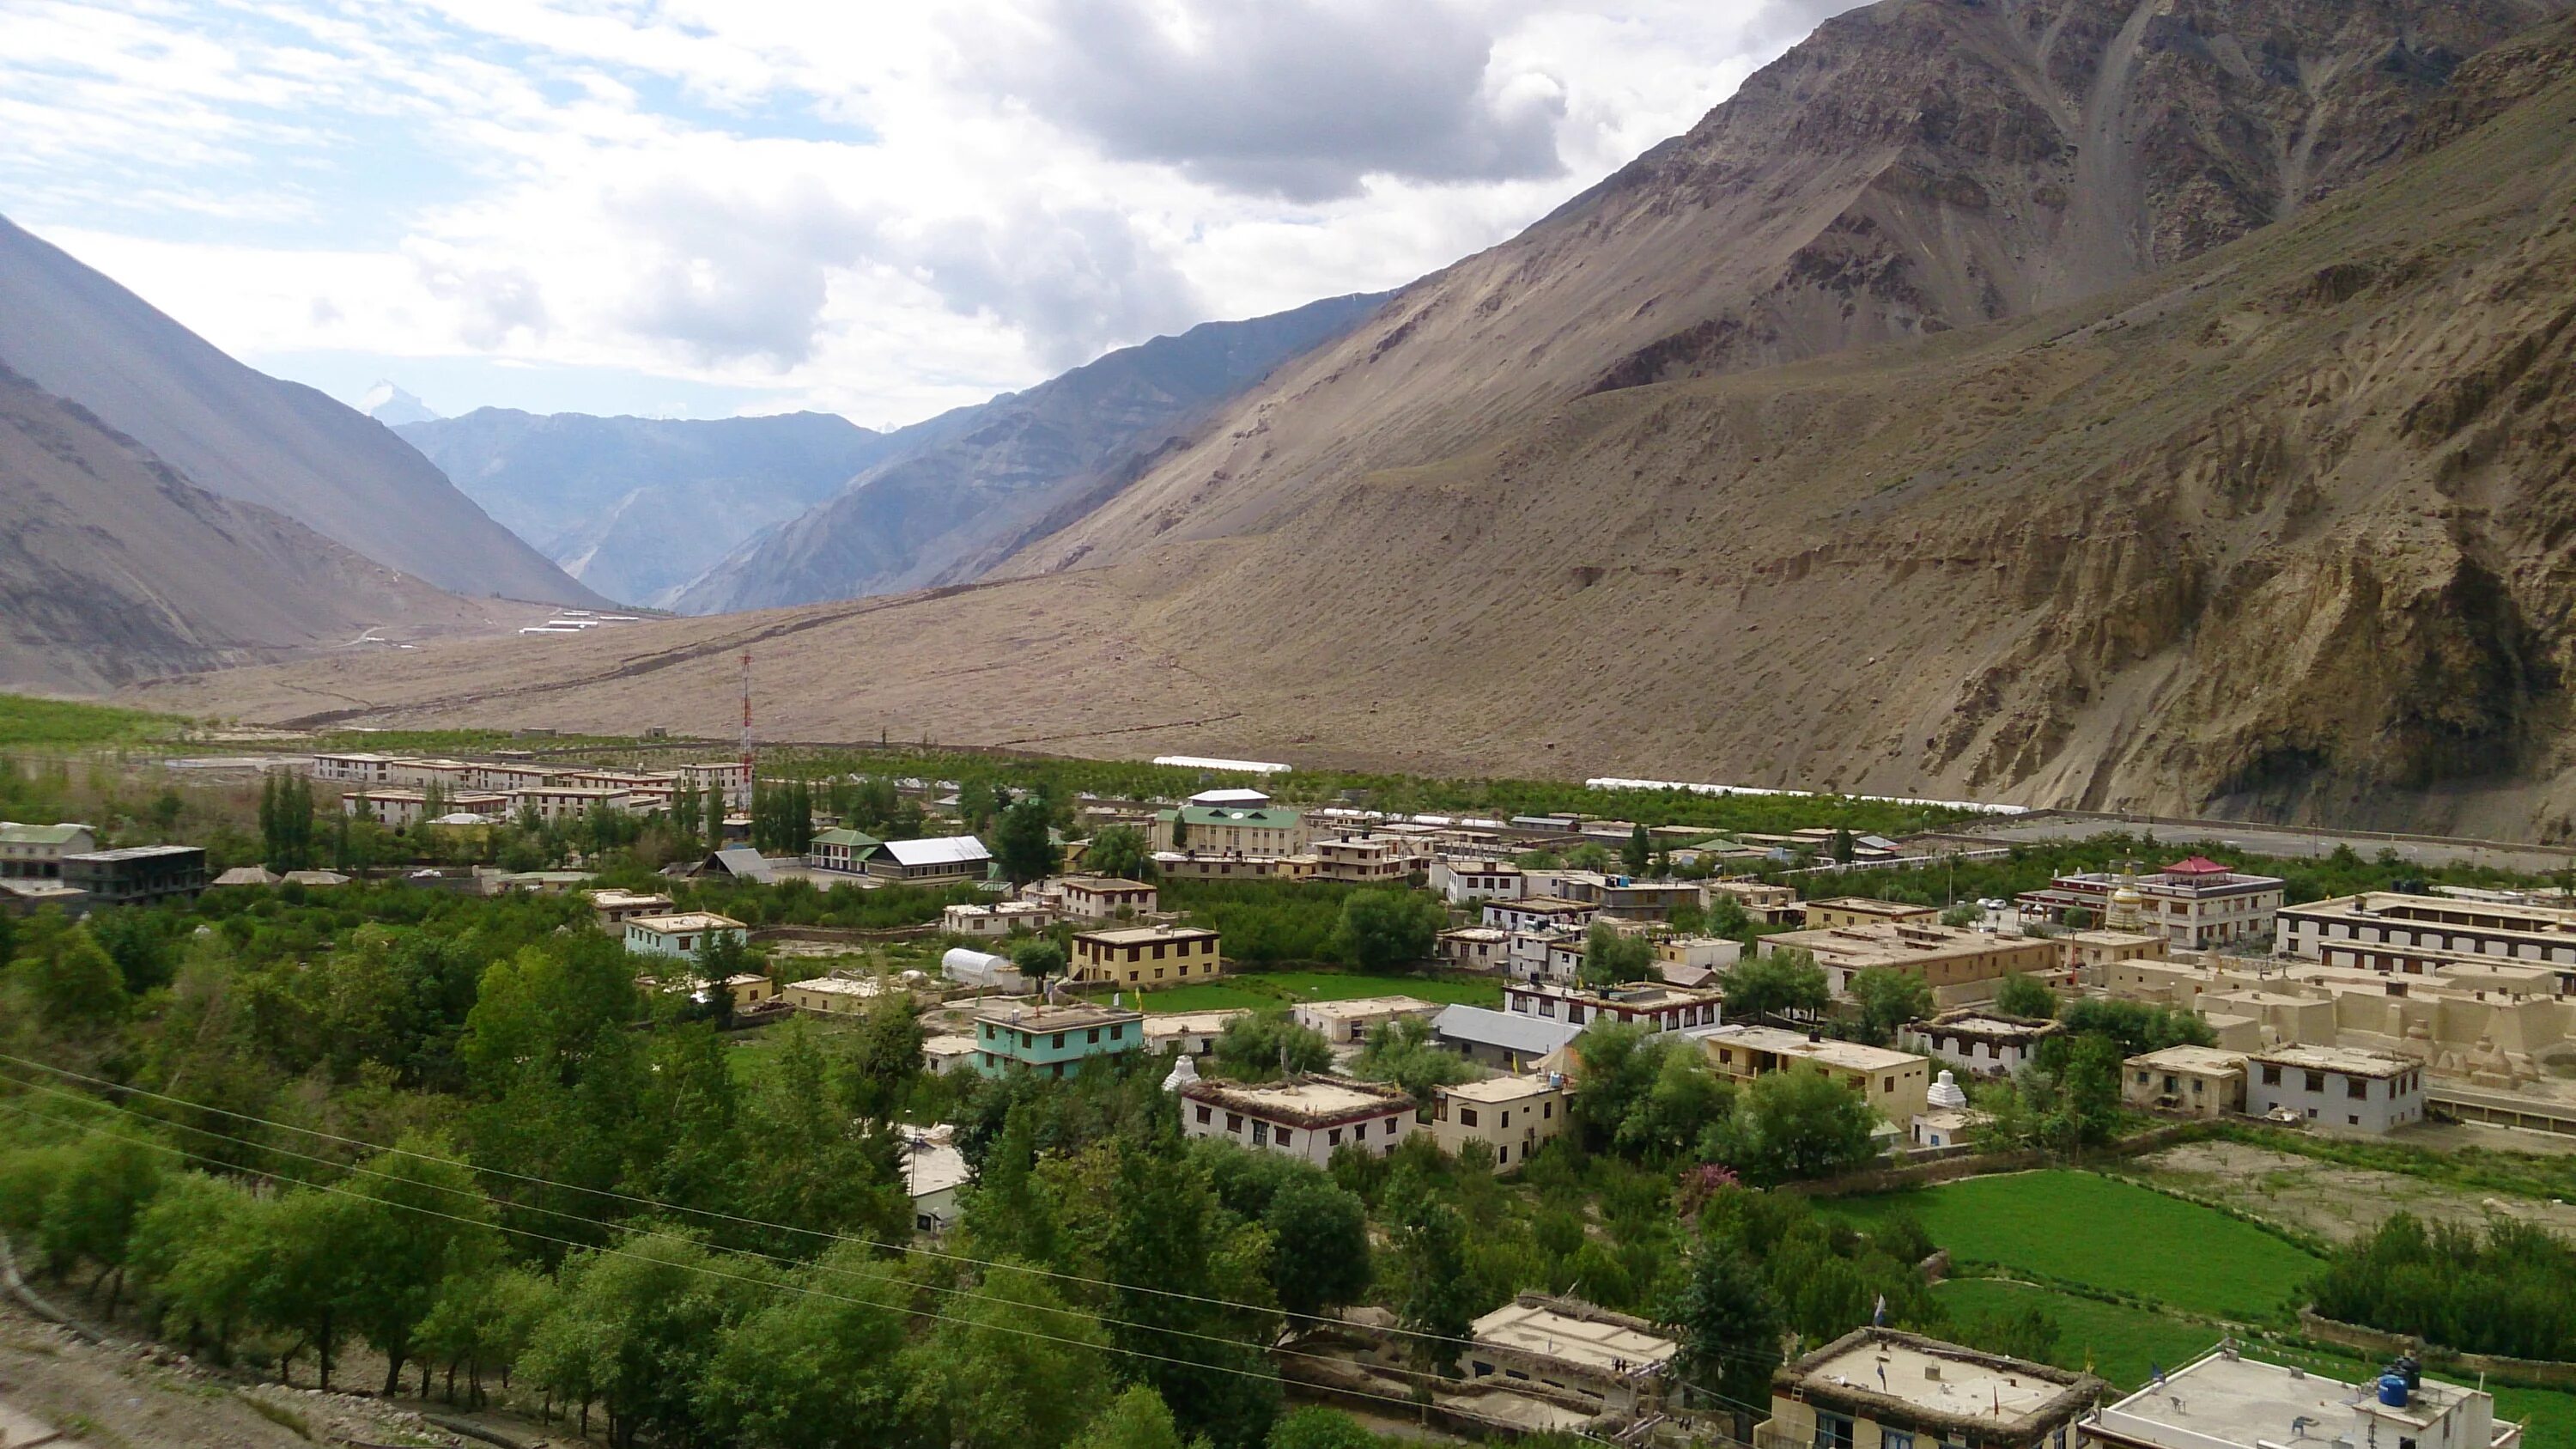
1055, 1040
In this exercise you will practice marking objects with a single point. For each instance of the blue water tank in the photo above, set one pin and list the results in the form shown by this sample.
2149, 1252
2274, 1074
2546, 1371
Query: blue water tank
2392, 1390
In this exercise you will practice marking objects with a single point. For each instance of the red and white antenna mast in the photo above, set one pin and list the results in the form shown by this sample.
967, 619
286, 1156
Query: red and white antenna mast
746, 718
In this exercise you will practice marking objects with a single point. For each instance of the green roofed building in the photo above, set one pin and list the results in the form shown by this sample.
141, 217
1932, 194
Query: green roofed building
841, 850
35, 852
1248, 830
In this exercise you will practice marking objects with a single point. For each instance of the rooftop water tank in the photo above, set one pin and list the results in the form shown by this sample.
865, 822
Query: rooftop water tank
2392, 1390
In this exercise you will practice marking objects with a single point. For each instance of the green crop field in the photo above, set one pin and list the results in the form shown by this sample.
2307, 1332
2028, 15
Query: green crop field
2121, 1342
1258, 989
25, 721
1207, 996
2081, 1228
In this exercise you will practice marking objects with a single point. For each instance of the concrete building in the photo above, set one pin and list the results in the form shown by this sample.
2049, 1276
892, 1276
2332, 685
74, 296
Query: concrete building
1105, 898
1225, 829
1708, 953
1961, 966
1192, 865
1764, 903
732, 777
1835, 911
1980, 1043
1350, 1021
1469, 882
840, 994
136, 875
35, 852
2226, 1401
353, 768
2335, 1086
681, 933
2185, 1081
1617, 1361
1646, 1004
1188, 1033
1537, 913
2403, 934
842, 851
933, 1172
1511, 1041
1362, 862
401, 808
1895, 1084
931, 861
2092, 954
2197, 904
1145, 955
1309, 1117
613, 908
947, 1052
1878, 1388
1475, 948
1050, 1039
996, 920
564, 804
26, 897
1647, 900
1514, 1116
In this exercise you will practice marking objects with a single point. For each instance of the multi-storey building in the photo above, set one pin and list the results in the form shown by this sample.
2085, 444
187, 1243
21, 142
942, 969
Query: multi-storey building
1960, 965
2197, 903
137, 874
1656, 1008
35, 852
1895, 1084
1878, 1388
1145, 955
2411, 935
1053, 1040
1514, 1116
1309, 1117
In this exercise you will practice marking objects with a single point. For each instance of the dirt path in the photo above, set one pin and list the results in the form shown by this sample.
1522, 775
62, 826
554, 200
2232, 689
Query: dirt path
2331, 1200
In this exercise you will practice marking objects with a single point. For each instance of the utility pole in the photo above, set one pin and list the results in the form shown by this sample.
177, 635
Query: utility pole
746, 718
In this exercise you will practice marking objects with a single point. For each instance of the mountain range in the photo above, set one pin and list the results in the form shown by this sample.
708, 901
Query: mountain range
2141, 404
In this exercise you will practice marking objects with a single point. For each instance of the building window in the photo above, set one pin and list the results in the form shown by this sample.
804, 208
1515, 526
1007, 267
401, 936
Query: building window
2316, 1082
1204, 1113
2357, 1088
1234, 1121
2271, 1075
1895, 1439
1094, 1038
1466, 1116
1283, 1135
1333, 1138
1833, 1431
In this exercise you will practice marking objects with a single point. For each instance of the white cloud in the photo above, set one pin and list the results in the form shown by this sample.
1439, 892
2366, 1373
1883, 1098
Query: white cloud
880, 209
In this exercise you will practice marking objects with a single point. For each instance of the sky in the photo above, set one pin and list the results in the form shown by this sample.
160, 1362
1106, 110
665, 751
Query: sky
698, 208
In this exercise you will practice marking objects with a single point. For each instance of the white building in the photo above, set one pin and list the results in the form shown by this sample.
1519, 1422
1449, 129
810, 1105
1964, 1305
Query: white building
401, 808
1190, 1033
1345, 1022
354, 768
933, 1171
683, 933
1466, 882
1537, 913
2388, 932
1515, 1116
1308, 1117
733, 777
948, 1052
1105, 898
1476, 948
996, 920
2335, 1086
2226, 1401
2197, 903
939, 858
1980, 1043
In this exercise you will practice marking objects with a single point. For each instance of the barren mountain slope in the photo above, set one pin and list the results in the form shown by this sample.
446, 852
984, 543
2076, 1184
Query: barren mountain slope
953, 496
2283, 529
1912, 167
246, 435
115, 568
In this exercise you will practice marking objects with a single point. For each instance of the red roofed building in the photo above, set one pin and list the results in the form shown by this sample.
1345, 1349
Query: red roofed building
2194, 903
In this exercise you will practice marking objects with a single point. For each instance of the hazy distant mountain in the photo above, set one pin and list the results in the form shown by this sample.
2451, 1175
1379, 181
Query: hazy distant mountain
390, 405
953, 495
114, 568
637, 507
245, 435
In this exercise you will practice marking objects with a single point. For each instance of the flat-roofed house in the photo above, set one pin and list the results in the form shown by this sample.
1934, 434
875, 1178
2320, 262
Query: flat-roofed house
1895, 1084
1361, 862
2186, 1081
2195, 903
939, 858
1145, 955
1476, 948
136, 874
999, 919
1645, 1004
1189, 1033
1878, 1388
1514, 1116
35, 852
2335, 1086
1309, 1117
1105, 897
357, 767
1052, 1040
1466, 882
1537, 913
2388, 932
1614, 1359
2091, 955
680, 933
933, 1172
1980, 1043
2224, 1400
1345, 1022
1960, 965
401, 808
563, 804
1863, 911
839, 994
732, 777
614, 908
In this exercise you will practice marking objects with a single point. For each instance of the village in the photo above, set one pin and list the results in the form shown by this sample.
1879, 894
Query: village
1505, 968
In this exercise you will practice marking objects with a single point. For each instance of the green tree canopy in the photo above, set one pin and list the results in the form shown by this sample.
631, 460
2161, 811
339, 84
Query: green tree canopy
1889, 997
1022, 844
1611, 957
1386, 928
1798, 1125
1265, 1045
1778, 983
1121, 851
2019, 995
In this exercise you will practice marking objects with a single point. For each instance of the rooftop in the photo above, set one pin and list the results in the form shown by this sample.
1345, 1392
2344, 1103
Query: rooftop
13, 833
862, 986
1035, 1016
1102, 883
938, 850
931, 1161
2350, 1061
2189, 1059
1509, 1030
1500, 1089
686, 921
1259, 816
1190, 1023
1896, 942
1540, 904
1905, 1377
2226, 1400
1991, 1025
1849, 1055
137, 852
948, 1044
1314, 1100
1366, 1006
1575, 1333
1874, 906
1144, 935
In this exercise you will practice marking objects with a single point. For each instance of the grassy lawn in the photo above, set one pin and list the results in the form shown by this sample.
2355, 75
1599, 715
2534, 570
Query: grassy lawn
1206, 996
2080, 1228
2122, 1343
1257, 989
25, 721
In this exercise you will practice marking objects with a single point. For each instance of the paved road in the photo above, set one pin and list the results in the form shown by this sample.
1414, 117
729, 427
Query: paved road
2283, 840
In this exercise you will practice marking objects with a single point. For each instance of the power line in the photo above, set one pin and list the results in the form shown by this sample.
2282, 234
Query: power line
1728, 1353
777, 1286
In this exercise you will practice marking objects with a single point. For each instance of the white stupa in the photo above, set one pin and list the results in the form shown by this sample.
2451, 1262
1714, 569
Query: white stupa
1184, 1072
1945, 1092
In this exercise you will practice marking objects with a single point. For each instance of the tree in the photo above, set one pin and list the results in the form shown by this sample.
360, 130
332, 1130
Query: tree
1386, 928
1777, 983
1316, 1428
2136, 1026
1639, 853
1843, 847
1181, 828
1320, 1245
1963, 915
1594, 857
1023, 846
1121, 851
1728, 1324
1434, 1297
420, 1217
311, 1242
1403, 1052
1798, 1125
984, 1382
1037, 957
1683, 1100
808, 1370
1611, 957
2019, 995
74, 983
1726, 916
1261, 1046
1136, 1419
1889, 997
104, 1183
